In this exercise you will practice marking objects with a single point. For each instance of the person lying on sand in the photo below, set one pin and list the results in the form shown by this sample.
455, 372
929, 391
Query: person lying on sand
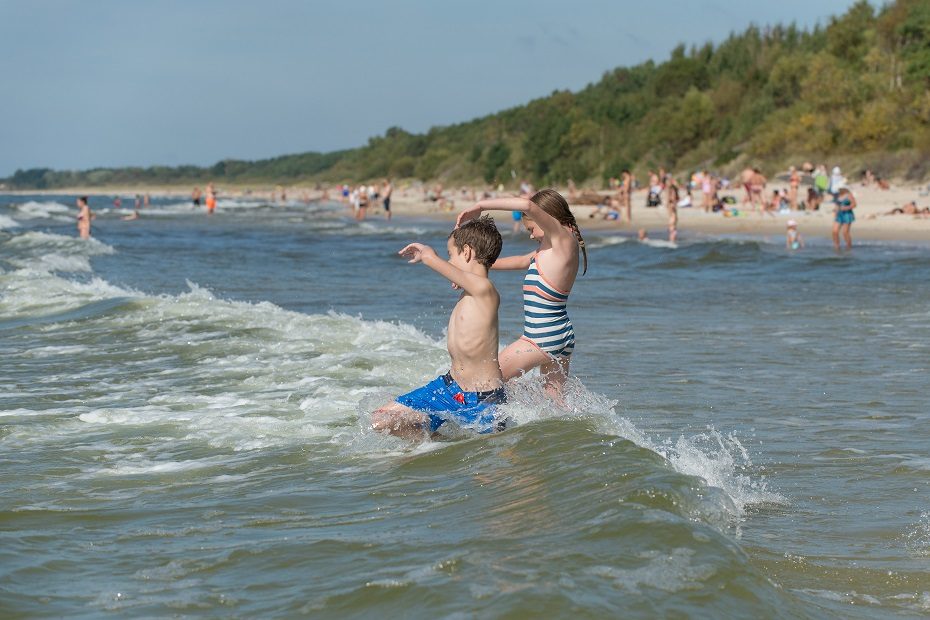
910, 208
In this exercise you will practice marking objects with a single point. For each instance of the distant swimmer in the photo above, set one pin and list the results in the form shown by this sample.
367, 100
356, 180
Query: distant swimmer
146, 201
117, 202
84, 217
548, 334
195, 196
469, 393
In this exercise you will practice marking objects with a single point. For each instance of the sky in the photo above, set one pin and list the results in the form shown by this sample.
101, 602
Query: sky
90, 83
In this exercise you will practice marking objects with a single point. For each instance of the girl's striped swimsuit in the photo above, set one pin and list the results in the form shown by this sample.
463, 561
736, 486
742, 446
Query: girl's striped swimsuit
545, 315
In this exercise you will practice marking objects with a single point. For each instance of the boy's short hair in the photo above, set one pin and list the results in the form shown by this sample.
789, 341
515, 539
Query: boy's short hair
482, 236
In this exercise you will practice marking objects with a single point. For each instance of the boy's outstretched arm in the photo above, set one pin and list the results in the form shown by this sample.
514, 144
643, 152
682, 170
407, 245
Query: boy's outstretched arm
471, 283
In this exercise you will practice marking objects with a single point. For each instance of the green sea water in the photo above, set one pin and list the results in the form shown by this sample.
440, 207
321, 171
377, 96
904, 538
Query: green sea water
184, 405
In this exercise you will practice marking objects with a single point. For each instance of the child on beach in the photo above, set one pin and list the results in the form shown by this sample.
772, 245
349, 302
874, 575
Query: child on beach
473, 386
793, 240
548, 336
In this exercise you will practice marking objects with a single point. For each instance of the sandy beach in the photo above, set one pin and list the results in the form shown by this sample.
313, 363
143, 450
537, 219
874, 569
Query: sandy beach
872, 219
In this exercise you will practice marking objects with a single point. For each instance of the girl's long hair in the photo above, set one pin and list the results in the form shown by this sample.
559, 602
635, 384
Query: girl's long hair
555, 205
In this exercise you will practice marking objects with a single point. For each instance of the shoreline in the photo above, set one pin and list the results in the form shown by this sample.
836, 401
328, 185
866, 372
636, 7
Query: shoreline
871, 224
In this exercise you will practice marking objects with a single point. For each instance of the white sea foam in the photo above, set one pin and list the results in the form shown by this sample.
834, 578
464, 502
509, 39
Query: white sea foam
45, 210
259, 376
719, 459
7, 222
603, 242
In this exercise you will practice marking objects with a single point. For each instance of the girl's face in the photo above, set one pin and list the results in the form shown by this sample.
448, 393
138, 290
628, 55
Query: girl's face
536, 233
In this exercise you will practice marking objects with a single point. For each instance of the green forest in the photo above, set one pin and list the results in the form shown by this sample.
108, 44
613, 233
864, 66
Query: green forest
854, 91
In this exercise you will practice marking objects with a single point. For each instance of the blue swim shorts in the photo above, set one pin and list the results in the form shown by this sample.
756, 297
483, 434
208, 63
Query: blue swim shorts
443, 395
845, 217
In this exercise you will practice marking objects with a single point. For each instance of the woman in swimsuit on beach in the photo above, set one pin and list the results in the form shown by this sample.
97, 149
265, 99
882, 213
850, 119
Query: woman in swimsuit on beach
845, 203
548, 336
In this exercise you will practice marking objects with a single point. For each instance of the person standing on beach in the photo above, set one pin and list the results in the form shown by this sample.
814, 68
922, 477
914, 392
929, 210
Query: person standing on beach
757, 185
745, 178
146, 201
845, 203
626, 196
548, 335
195, 196
707, 191
794, 181
673, 215
387, 189
837, 181
362, 212
84, 217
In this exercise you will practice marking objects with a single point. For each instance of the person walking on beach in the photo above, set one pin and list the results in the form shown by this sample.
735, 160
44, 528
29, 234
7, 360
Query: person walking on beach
548, 338
470, 391
83, 218
845, 203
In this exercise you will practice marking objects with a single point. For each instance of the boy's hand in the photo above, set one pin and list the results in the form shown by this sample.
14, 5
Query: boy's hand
468, 214
416, 251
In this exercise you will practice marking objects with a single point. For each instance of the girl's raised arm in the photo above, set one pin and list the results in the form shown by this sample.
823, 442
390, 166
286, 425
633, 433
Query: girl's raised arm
509, 263
549, 224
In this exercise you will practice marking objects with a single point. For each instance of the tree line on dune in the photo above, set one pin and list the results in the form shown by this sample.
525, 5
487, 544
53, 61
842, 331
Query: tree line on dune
855, 90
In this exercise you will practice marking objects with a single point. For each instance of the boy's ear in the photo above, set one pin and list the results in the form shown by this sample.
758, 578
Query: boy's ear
467, 253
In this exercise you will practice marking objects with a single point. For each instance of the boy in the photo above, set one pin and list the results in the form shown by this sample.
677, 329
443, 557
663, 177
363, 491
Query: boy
469, 391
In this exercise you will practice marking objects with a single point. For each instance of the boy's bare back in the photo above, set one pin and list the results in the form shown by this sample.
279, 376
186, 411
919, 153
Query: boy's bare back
473, 340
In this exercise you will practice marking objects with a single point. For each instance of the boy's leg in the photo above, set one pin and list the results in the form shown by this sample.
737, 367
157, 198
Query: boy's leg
400, 421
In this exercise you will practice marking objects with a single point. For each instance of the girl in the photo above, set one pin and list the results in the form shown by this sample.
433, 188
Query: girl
548, 337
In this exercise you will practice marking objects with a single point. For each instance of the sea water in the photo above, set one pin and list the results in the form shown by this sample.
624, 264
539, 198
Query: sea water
183, 426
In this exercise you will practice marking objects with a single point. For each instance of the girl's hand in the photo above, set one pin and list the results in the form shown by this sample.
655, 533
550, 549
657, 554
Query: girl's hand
416, 251
468, 214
